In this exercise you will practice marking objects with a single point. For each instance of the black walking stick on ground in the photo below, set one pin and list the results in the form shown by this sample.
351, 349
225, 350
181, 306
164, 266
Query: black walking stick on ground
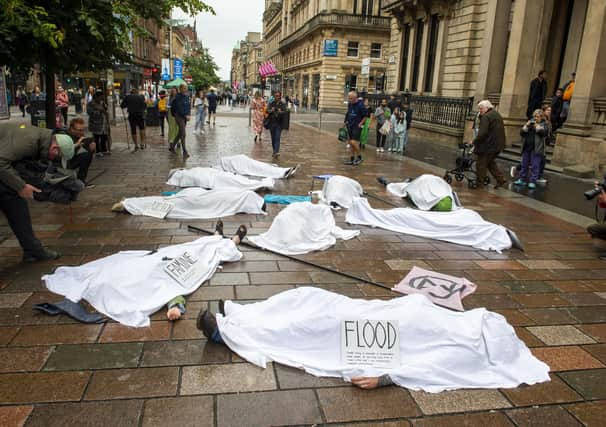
372, 196
96, 176
302, 261
126, 127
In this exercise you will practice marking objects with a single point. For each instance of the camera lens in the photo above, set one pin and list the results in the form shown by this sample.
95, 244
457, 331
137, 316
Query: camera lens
590, 194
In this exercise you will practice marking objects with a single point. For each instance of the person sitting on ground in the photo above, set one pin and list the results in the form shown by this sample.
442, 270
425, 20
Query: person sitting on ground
176, 306
84, 149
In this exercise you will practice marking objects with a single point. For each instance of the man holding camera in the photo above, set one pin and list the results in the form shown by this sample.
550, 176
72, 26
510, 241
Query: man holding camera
84, 149
598, 230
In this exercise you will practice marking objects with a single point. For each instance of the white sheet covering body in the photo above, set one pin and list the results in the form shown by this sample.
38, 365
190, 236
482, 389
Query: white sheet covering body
440, 349
198, 203
244, 165
131, 285
461, 226
211, 178
301, 228
424, 191
341, 190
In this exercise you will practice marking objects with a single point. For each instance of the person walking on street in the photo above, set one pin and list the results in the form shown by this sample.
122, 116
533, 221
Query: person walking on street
212, 105
488, 143
354, 120
136, 107
200, 110
276, 114
162, 105
258, 107
19, 142
365, 125
22, 100
62, 103
98, 123
296, 102
37, 95
406, 108
78, 100
381, 115
533, 150
181, 110
536, 95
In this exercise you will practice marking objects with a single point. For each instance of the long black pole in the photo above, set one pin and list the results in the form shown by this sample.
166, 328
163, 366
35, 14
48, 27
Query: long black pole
302, 261
372, 196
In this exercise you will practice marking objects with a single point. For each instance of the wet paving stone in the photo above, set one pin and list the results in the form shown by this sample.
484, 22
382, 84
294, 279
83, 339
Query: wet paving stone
554, 391
596, 331
292, 407
492, 419
540, 300
350, 404
591, 414
260, 291
567, 358
115, 332
23, 359
56, 334
42, 387
7, 334
543, 416
588, 314
591, 384
175, 353
459, 401
94, 356
289, 378
184, 411
527, 286
212, 379
14, 415
560, 335
133, 383
119, 413
13, 300
229, 279
549, 316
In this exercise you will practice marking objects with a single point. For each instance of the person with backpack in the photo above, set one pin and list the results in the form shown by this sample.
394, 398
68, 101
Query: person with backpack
162, 110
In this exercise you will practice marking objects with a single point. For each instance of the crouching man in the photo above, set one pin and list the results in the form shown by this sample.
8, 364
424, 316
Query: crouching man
19, 142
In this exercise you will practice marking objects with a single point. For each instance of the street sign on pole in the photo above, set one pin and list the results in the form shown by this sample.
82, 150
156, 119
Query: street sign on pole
188, 79
165, 69
178, 68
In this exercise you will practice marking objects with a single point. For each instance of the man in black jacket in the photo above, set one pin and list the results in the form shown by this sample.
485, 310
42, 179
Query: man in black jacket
181, 110
536, 95
135, 104
489, 142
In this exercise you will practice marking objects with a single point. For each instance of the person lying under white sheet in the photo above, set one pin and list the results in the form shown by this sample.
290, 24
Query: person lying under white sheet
195, 203
340, 191
438, 349
131, 285
461, 226
301, 228
213, 179
244, 165
427, 192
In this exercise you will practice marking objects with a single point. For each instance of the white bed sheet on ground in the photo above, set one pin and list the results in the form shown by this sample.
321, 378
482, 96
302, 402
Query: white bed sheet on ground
341, 190
439, 349
244, 165
131, 285
424, 191
211, 178
301, 228
461, 226
198, 203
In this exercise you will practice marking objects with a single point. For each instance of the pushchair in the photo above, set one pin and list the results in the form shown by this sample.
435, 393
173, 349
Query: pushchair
465, 168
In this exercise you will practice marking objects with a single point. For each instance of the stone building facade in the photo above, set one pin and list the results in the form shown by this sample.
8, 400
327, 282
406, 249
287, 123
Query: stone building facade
246, 58
319, 47
493, 49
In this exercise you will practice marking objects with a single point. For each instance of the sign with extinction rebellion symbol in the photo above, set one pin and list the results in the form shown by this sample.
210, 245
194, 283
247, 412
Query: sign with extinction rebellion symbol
370, 343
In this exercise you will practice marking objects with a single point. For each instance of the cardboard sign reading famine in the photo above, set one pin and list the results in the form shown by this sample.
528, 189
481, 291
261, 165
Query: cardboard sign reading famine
158, 209
370, 343
185, 269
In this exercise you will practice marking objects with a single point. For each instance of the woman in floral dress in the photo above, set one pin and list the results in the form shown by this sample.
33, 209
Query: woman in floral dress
258, 110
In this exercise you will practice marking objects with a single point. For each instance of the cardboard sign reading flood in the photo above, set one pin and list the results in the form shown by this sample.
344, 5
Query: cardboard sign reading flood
185, 269
370, 343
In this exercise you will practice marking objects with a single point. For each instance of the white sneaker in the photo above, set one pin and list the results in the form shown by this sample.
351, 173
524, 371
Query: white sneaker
378, 150
382, 150
542, 182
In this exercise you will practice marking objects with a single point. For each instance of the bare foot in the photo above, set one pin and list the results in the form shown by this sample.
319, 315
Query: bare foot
366, 382
173, 313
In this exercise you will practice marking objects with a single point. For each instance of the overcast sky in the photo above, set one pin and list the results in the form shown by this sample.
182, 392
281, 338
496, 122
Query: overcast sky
220, 33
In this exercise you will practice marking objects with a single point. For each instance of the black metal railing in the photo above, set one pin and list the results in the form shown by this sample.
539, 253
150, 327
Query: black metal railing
437, 110
337, 20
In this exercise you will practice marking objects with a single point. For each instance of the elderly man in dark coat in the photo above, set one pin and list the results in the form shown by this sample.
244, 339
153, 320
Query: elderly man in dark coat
20, 142
536, 95
488, 143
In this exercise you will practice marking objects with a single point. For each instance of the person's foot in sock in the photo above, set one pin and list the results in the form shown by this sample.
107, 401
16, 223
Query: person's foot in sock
219, 228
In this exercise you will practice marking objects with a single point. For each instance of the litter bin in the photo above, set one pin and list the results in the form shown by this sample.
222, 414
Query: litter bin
151, 118
37, 110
